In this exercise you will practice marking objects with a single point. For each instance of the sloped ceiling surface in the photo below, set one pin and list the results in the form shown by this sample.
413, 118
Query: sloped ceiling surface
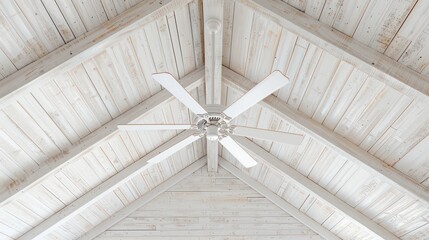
209, 205
44, 125
394, 28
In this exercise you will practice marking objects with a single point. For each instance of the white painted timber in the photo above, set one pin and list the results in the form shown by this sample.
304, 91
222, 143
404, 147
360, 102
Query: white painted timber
277, 200
37, 73
55, 164
267, 158
212, 153
385, 69
146, 198
208, 205
332, 140
213, 35
76, 207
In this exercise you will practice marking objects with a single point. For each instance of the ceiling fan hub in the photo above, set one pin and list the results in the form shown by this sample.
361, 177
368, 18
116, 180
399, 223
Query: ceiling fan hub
214, 124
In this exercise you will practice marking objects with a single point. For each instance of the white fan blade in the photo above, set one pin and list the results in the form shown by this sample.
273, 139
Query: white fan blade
174, 87
161, 156
132, 127
238, 152
212, 155
270, 135
270, 84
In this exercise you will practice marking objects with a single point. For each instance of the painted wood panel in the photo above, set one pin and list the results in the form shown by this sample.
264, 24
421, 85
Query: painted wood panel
30, 30
397, 28
336, 174
70, 106
355, 105
209, 205
92, 169
47, 122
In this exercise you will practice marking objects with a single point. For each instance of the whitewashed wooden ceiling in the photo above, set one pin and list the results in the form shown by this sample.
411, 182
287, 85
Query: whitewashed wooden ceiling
359, 94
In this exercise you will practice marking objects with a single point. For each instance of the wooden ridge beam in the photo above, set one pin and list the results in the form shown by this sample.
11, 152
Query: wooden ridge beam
38, 73
77, 206
267, 158
332, 140
383, 68
277, 200
143, 200
60, 161
213, 37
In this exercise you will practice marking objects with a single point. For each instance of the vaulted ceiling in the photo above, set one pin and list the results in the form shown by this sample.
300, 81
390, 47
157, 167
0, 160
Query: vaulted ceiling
73, 70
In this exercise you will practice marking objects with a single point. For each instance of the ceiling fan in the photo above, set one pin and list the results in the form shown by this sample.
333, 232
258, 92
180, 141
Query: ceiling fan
214, 122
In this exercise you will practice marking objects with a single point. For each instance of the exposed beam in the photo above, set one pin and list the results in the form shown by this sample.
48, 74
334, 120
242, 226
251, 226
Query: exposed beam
143, 200
213, 30
328, 198
332, 140
376, 64
89, 198
212, 155
58, 162
277, 200
38, 73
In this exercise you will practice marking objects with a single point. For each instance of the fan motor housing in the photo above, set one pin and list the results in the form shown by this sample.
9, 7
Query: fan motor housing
214, 124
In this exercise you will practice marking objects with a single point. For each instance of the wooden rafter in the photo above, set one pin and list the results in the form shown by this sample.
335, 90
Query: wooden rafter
280, 202
327, 197
376, 64
332, 140
213, 21
38, 73
76, 207
190, 81
146, 198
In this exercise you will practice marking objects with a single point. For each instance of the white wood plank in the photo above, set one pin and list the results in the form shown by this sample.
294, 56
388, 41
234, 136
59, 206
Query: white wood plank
347, 49
208, 204
146, 198
58, 19
277, 200
36, 74
332, 140
71, 210
189, 82
241, 30
381, 22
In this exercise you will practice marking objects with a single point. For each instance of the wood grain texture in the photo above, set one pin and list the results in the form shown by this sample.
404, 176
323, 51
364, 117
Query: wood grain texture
215, 205
348, 49
334, 141
79, 50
